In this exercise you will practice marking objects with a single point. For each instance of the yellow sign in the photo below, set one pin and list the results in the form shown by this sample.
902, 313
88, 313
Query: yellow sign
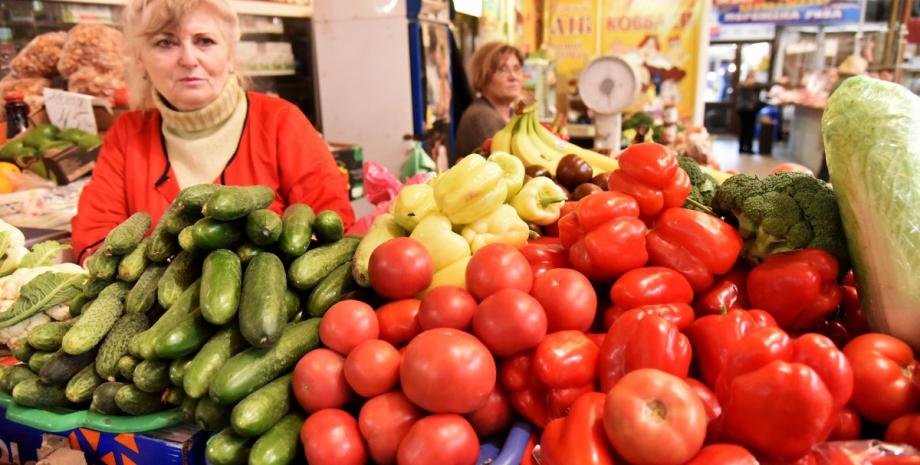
662, 40
572, 33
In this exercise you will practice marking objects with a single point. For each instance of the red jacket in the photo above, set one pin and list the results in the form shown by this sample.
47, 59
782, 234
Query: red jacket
278, 148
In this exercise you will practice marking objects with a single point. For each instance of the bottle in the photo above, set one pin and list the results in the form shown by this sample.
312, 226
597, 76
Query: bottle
17, 114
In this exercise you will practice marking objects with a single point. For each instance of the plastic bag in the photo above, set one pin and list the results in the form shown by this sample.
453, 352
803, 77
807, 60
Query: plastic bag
865, 453
92, 45
40, 57
381, 189
90, 81
418, 162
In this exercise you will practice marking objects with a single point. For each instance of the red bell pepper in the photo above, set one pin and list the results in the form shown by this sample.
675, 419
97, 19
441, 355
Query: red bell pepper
579, 438
641, 339
559, 401
853, 317
797, 288
904, 430
723, 454
532, 399
650, 173
679, 314
650, 285
883, 368
727, 293
565, 359
782, 396
531, 404
847, 427
710, 401
544, 254
604, 235
697, 245
714, 338
833, 329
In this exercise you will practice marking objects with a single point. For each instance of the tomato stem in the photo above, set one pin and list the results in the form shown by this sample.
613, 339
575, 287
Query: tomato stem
657, 410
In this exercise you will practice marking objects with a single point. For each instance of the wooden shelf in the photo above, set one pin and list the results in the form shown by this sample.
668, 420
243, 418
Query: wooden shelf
244, 7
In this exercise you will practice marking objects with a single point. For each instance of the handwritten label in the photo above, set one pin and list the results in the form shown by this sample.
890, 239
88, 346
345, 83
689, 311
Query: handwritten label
70, 110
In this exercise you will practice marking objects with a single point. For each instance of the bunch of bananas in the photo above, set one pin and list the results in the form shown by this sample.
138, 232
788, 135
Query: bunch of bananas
534, 144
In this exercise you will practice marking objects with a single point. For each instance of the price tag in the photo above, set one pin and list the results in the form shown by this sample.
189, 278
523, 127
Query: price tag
70, 110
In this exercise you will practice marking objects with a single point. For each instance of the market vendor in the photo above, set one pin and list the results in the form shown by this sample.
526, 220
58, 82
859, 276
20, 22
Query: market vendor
195, 123
496, 72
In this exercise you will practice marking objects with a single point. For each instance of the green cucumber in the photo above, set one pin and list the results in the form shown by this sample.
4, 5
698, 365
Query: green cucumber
383, 229
212, 234
328, 226
151, 376
188, 409
133, 265
297, 229
246, 251
39, 359
177, 370
48, 336
104, 398
310, 268
233, 202
115, 345
174, 396
263, 227
226, 448
144, 344
126, 366
80, 388
262, 313
330, 290
96, 320
16, 375
291, 304
63, 366
144, 293
4, 372
279, 445
94, 286
125, 237
183, 219
211, 416
34, 393
194, 197
162, 244
253, 368
134, 401
220, 348
186, 338
220, 286
259, 411
22, 351
78, 303
102, 266
180, 273
187, 240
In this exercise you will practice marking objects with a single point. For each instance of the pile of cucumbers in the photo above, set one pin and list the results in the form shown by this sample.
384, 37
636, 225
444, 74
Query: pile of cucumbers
209, 313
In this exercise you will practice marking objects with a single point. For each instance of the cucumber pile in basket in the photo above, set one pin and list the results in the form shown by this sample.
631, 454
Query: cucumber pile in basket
209, 313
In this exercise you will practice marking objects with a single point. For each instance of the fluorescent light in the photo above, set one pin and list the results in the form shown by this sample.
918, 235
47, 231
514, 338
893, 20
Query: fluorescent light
469, 7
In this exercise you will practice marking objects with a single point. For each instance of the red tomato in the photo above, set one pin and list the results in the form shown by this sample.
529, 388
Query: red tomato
347, 324
444, 439
654, 418
400, 268
650, 285
509, 321
495, 267
447, 371
516, 372
567, 298
791, 167
447, 307
681, 315
723, 454
882, 384
372, 368
848, 426
905, 430
566, 359
399, 321
494, 417
331, 437
709, 399
559, 400
319, 381
384, 421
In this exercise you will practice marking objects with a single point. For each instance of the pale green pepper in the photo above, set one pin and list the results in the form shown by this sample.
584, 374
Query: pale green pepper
451, 275
539, 201
444, 245
503, 225
513, 169
470, 190
414, 203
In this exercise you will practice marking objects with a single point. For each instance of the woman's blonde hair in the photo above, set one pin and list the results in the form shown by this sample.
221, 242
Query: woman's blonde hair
143, 19
486, 61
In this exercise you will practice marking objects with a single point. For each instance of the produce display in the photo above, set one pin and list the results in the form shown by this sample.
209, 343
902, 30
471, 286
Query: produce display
29, 150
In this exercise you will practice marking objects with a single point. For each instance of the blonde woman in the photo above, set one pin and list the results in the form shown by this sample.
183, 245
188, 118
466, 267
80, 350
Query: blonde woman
195, 123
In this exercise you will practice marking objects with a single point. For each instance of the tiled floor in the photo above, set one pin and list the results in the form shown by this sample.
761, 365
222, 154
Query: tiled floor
725, 151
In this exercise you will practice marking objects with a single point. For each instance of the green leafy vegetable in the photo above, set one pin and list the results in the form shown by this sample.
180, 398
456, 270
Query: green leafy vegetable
43, 254
47, 290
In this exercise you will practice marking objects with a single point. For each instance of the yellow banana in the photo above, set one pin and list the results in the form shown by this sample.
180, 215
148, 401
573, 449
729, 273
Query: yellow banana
550, 151
600, 163
522, 147
501, 141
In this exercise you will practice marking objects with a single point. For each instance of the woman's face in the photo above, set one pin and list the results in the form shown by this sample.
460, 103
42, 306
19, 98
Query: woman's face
189, 66
506, 82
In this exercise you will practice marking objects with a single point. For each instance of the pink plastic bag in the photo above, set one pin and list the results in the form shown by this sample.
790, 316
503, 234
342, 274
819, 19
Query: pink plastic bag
865, 453
381, 189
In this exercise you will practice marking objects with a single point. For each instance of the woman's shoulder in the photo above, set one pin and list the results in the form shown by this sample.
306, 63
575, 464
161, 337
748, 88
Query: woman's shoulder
267, 105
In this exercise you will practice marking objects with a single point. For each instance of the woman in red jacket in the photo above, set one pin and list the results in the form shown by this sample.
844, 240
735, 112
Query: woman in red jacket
196, 124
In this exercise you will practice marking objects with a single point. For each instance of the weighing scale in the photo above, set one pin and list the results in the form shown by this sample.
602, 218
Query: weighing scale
608, 86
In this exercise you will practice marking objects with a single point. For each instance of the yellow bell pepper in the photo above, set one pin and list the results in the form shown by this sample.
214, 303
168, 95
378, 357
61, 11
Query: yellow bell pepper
540, 201
513, 168
451, 275
503, 225
414, 203
470, 190
444, 245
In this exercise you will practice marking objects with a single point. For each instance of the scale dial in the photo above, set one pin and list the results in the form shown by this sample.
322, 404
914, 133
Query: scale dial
608, 85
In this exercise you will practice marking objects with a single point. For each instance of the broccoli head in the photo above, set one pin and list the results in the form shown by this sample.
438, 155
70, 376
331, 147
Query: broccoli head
781, 213
703, 186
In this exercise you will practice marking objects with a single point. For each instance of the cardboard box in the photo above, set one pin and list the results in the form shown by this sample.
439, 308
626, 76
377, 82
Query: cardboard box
180, 445
351, 162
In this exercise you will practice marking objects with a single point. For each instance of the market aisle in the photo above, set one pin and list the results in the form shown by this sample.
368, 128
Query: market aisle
725, 151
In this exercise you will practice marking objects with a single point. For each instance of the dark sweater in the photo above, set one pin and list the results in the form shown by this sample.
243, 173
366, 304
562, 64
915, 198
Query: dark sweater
479, 122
